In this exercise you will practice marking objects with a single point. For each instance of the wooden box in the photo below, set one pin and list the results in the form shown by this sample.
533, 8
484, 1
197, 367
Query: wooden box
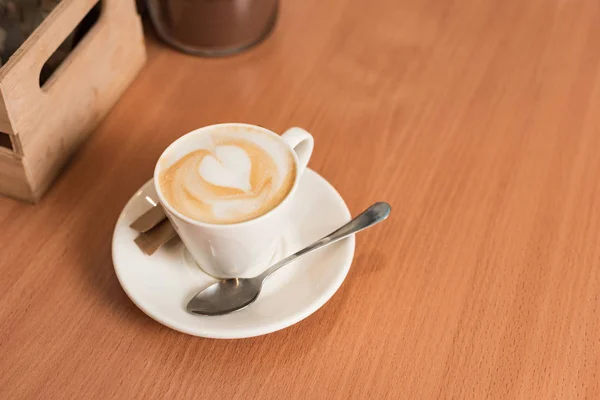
42, 126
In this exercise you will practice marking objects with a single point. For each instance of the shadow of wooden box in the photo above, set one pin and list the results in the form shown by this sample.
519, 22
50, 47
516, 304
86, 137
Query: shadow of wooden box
41, 127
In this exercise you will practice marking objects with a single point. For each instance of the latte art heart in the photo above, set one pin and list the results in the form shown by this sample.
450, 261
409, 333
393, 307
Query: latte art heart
230, 178
230, 168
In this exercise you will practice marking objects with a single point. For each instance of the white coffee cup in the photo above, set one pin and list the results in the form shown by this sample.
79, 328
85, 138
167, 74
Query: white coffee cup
240, 249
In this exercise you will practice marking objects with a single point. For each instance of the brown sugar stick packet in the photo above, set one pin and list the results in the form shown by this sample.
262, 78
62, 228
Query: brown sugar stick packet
155, 230
149, 219
156, 237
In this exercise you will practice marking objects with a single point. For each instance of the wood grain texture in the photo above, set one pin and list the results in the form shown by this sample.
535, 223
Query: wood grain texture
477, 120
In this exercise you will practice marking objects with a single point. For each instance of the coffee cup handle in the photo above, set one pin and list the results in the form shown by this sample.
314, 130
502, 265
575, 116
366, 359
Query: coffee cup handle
302, 143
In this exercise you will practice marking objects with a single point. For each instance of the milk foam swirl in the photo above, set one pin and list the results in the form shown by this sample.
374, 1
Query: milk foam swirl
232, 179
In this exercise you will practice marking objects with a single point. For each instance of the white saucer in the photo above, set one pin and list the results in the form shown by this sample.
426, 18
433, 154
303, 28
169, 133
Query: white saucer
161, 284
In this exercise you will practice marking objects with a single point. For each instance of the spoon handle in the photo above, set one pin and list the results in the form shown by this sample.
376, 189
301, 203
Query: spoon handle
371, 216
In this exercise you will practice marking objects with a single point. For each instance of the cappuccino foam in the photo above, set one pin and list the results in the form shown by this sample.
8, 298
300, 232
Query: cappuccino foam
231, 176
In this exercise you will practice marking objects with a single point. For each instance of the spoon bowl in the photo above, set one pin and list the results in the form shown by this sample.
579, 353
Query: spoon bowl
225, 296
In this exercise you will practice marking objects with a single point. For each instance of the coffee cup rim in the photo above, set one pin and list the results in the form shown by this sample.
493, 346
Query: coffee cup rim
172, 210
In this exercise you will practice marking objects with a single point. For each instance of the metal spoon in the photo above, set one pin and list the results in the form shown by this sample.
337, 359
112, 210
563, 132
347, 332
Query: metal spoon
229, 295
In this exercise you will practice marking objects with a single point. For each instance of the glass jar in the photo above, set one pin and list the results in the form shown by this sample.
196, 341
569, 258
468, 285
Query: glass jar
213, 27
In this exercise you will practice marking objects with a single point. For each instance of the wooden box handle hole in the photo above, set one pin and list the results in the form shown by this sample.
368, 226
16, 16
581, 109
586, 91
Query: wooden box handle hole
5, 141
68, 45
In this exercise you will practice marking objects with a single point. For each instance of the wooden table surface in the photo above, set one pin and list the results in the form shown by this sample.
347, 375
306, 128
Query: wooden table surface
477, 120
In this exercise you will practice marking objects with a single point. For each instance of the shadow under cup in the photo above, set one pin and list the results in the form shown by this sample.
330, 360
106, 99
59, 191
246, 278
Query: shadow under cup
241, 249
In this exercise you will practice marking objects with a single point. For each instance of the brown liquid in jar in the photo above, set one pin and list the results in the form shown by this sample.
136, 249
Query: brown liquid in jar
213, 27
